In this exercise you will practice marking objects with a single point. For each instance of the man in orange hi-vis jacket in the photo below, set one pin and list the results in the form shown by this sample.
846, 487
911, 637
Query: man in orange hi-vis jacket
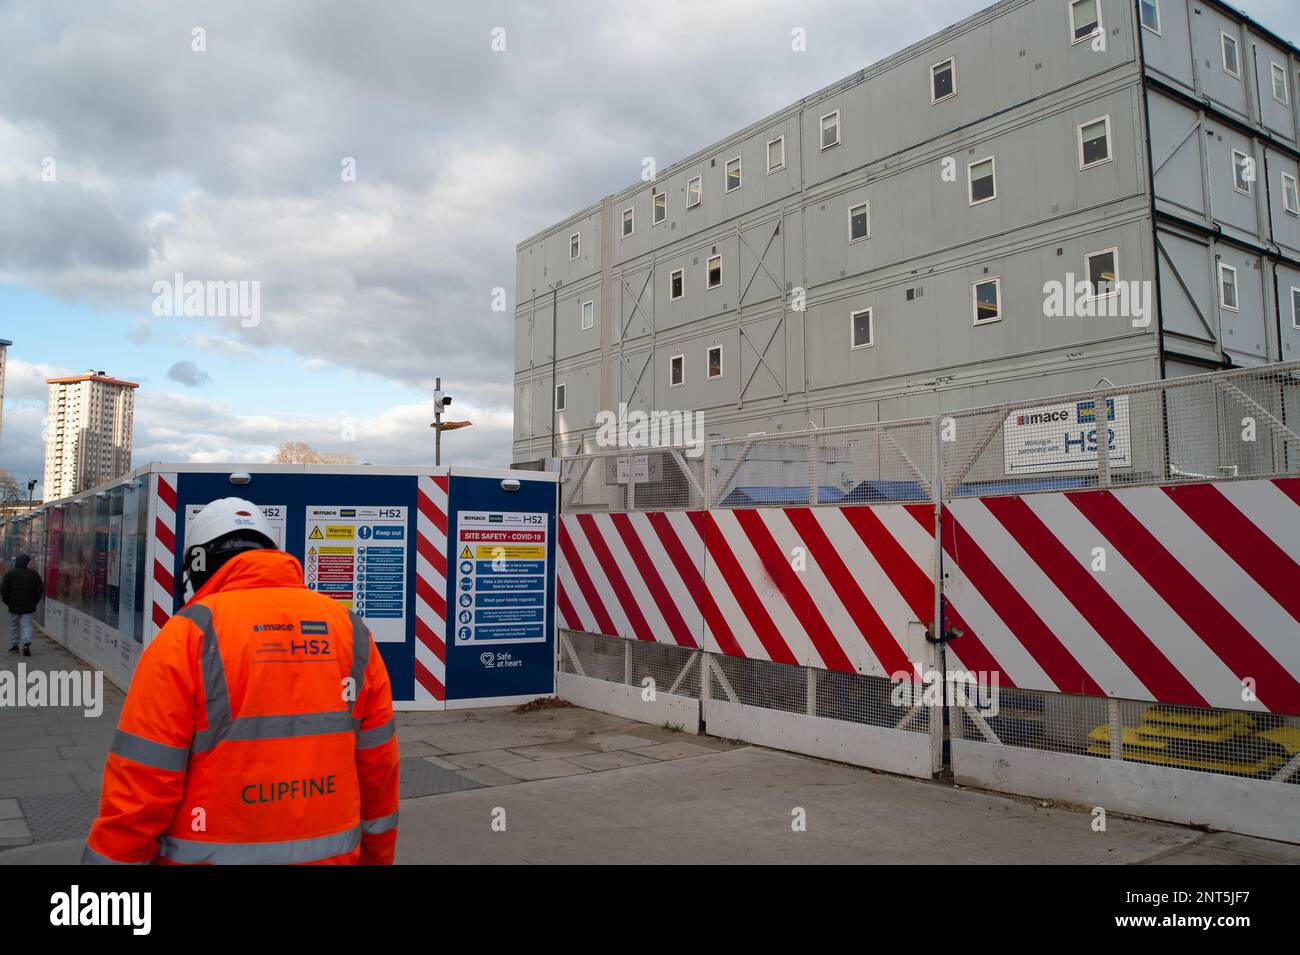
259, 724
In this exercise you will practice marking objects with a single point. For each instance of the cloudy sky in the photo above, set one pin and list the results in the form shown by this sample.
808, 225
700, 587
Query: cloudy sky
127, 156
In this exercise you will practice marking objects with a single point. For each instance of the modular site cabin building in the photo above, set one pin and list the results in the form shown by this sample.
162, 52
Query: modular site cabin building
882, 248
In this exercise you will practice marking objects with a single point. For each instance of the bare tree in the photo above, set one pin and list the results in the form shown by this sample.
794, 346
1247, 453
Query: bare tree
300, 452
9, 490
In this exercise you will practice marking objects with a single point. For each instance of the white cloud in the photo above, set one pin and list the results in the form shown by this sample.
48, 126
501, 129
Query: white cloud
226, 165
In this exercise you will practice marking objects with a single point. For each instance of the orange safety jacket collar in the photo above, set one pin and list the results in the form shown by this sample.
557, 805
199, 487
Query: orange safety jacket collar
252, 569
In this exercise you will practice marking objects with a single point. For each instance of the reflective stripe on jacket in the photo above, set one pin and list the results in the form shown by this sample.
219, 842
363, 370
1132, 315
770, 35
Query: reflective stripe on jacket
258, 730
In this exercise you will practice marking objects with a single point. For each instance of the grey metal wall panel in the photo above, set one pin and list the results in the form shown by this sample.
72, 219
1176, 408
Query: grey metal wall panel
1226, 91
1177, 151
1245, 331
1191, 316
1277, 115
1288, 289
1169, 51
1286, 225
1236, 212
572, 339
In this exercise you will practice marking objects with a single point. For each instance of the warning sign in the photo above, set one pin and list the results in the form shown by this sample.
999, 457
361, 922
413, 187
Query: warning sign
500, 590
357, 556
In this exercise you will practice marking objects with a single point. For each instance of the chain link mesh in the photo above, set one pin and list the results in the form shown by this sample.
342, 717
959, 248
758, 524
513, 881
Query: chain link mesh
1237, 424
851, 465
1224, 425
660, 479
1224, 742
808, 691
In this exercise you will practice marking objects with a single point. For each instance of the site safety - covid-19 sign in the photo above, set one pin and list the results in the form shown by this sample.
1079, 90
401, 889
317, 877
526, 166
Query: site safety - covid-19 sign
358, 556
500, 573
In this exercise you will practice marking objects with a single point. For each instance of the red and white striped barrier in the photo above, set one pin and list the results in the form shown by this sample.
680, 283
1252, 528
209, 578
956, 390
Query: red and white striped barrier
834, 588
162, 582
636, 575
431, 590
1187, 594
839, 588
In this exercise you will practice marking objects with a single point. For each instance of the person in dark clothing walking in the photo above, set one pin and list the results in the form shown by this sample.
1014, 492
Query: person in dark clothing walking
21, 590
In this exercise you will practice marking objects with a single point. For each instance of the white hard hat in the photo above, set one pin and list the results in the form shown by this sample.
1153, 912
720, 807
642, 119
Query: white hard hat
225, 516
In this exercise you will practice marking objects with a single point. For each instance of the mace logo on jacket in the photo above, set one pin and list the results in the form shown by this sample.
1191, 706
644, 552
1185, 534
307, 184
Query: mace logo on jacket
273, 627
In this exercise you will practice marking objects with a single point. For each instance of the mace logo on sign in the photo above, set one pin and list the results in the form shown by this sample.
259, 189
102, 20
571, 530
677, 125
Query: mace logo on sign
1064, 437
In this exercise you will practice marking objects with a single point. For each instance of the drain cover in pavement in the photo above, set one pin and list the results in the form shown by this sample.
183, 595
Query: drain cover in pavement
425, 779
54, 817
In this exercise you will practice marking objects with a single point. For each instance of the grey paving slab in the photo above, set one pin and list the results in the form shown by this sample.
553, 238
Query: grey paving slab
490, 757
441, 762
542, 769
18, 718
11, 756
418, 748
110, 714
37, 784
93, 754
675, 750
38, 739
97, 737
14, 832
505, 738
619, 741
19, 733
47, 767
489, 776
1225, 848
11, 734
614, 759
553, 750
10, 809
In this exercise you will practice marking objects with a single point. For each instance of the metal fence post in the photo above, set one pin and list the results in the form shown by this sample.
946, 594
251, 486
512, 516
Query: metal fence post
706, 479
940, 658
1101, 428
1116, 730
812, 471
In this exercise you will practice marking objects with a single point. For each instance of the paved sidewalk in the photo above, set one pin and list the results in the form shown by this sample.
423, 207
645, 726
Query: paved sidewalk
51, 758
563, 784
